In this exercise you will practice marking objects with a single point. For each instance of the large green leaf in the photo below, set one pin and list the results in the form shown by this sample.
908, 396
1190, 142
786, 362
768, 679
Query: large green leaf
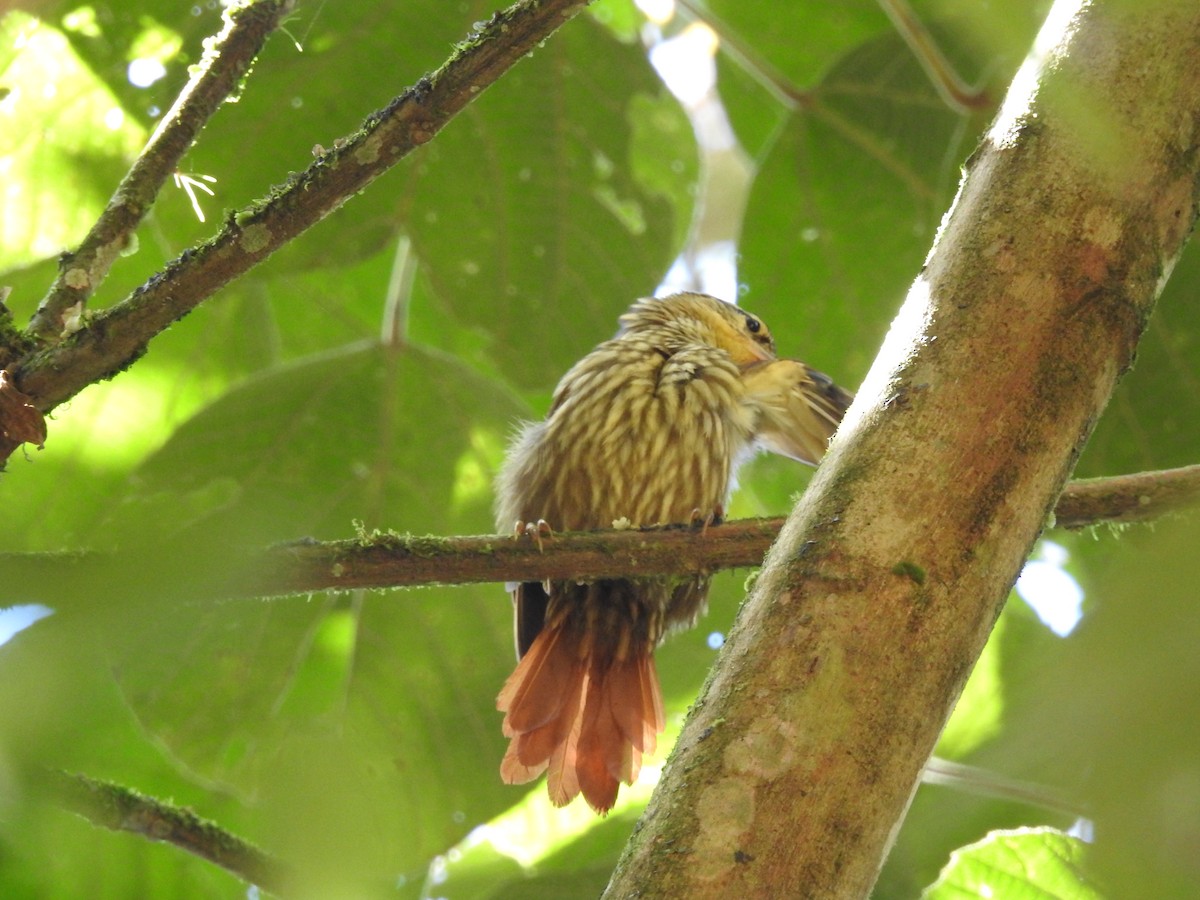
871, 163
536, 219
356, 734
360, 708
538, 215
63, 137
308, 448
1029, 863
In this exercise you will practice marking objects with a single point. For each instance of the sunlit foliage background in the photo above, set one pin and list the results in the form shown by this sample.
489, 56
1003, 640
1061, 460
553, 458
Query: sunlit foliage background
355, 736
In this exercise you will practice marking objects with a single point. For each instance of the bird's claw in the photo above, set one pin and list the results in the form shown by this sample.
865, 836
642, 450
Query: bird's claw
535, 530
702, 520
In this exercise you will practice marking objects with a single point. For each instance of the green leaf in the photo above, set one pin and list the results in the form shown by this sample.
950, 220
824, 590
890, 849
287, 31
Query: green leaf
310, 447
64, 139
360, 708
541, 229
872, 162
356, 734
828, 32
1033, 863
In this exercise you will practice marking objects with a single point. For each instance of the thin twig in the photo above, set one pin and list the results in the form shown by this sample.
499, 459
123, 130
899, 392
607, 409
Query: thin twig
394, 561
227, 59
114, 338
786, 92
984, 783
1124, 499
390, 560
957, 94
120, 808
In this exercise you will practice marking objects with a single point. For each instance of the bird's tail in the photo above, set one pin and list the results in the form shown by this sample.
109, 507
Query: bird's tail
580, 712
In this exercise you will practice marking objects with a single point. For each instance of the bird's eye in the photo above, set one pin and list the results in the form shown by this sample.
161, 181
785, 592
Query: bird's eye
753, 324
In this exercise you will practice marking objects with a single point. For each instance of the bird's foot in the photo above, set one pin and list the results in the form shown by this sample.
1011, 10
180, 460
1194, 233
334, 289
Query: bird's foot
702, 520
538, 531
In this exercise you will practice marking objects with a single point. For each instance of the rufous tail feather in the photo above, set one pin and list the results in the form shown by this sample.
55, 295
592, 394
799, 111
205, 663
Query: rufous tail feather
585, 720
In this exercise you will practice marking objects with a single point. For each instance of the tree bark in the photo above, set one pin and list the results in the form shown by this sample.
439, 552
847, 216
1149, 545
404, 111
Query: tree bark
797, 764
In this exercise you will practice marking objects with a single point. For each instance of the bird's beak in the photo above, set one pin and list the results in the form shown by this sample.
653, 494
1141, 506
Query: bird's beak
761, 353
751, 354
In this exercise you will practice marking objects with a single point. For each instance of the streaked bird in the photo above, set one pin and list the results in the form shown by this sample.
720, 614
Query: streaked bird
647, 429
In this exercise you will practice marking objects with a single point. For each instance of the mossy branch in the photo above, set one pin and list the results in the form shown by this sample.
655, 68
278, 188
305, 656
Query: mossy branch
390, 560
111, 340
120, 808
227, 59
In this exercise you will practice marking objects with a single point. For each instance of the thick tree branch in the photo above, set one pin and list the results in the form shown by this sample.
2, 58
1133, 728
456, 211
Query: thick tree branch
123, 809
797, 763
226, 60
114, 338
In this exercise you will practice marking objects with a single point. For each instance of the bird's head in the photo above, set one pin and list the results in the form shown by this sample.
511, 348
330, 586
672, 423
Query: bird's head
687, 319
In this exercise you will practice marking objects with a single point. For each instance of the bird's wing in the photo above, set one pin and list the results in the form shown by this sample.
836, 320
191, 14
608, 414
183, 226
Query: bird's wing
797, 408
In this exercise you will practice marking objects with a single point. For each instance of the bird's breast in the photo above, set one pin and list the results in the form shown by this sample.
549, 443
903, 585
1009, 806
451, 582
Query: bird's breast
633, 438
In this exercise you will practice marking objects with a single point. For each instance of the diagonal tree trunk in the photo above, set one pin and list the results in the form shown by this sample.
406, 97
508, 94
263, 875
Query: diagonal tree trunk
798, 762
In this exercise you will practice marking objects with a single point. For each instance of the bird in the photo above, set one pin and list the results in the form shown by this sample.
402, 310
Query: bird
647, 429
